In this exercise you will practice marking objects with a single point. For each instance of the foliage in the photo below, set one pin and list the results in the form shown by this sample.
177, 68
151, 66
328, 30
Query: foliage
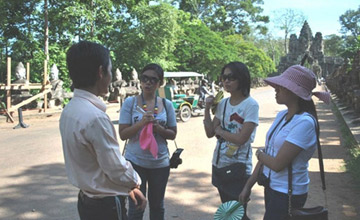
200, 49
259, 64
334, 45
273, 47
350, 22
227, 16
135, 31
151, 37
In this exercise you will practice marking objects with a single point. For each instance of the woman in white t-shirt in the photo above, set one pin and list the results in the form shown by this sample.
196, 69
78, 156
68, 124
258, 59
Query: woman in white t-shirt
234, 125
291, 140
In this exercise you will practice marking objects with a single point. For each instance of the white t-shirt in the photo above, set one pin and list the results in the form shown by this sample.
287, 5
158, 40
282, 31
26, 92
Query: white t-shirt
235, 117
301, 132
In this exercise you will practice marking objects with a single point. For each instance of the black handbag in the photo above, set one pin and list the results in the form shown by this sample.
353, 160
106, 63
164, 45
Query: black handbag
226, 175
314, 213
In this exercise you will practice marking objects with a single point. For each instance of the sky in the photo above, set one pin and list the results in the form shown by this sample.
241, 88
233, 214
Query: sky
322, 15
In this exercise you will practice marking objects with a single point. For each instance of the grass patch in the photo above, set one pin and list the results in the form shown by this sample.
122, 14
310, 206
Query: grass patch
352, 165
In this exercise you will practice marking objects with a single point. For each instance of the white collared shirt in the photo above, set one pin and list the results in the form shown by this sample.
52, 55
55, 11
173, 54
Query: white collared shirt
93, 160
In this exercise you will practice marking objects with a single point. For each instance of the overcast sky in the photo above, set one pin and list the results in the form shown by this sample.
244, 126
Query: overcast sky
322, 15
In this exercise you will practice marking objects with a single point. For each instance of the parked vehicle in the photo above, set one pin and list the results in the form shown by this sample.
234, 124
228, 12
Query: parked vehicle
186, 102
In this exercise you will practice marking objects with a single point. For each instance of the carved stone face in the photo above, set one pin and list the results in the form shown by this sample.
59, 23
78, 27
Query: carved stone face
20, 71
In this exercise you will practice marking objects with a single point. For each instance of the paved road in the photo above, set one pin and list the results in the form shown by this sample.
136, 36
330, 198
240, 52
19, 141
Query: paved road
34, 184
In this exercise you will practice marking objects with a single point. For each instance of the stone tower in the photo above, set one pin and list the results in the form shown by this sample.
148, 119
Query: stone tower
312, 50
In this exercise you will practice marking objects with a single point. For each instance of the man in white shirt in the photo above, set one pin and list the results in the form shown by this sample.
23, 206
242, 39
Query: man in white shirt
91, 151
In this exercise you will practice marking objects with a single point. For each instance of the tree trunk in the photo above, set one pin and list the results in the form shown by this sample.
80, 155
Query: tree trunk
285, 43
46, 47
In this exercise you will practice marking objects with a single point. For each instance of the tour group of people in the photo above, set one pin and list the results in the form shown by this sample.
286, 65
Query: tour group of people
106, 178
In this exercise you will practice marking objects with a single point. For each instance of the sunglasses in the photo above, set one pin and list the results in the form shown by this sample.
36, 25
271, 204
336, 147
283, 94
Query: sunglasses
230, 77
150, 79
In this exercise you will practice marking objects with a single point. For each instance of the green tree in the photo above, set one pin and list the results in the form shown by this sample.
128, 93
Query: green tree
200, 49
273, 47
259, 64
227, 15
149, 36
350, 22
334, 45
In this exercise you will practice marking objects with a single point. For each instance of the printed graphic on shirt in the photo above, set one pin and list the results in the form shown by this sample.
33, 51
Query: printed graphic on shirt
237, 118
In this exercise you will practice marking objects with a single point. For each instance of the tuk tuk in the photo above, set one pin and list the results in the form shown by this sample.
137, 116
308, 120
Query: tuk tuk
185, 101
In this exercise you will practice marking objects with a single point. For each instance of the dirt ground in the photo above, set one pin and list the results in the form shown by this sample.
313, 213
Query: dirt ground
34, 184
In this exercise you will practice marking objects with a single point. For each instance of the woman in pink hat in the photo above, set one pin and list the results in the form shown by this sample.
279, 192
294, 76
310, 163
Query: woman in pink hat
291, 140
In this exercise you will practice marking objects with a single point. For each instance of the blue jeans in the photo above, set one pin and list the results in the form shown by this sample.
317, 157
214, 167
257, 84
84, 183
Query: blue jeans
156, 180
277, 204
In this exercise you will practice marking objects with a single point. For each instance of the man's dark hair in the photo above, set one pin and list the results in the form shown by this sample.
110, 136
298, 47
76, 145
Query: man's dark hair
157, 69
83, 61
242, 74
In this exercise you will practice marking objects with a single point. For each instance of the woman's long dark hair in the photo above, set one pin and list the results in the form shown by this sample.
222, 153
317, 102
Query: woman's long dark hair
309, 106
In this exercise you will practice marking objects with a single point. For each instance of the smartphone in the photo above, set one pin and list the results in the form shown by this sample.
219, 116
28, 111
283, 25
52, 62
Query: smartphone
177, 153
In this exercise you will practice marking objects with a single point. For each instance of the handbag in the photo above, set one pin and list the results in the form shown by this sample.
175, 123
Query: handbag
226, 175
314, 213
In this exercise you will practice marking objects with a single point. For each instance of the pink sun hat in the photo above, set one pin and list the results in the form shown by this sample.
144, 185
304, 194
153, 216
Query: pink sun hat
299, 80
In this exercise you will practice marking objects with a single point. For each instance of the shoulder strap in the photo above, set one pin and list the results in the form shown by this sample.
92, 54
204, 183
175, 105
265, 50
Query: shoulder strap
321, 165
223, 118
164, 104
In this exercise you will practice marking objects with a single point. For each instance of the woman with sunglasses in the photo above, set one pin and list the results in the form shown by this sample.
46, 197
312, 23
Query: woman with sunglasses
234, 125
138, 112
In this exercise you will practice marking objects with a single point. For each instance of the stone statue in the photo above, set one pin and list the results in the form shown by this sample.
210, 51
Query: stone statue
56, 96
118, 75
316, 68
115, 87
21, 94
134, 82
20, 73
54, 72
134, 74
